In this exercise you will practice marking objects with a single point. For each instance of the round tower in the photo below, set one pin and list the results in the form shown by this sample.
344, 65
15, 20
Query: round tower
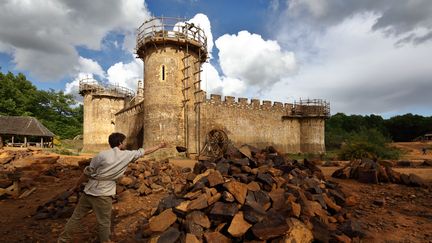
100, 105
172, 51
312, 114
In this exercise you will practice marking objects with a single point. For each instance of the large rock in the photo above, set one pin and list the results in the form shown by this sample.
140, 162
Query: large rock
199, 203
272, 226
237, 189
216, 237
215, 178
416, 180
162, 221
298, 233
170, 235
368, 176
295, 209
190, 238
224, 209
238, 226
199, 218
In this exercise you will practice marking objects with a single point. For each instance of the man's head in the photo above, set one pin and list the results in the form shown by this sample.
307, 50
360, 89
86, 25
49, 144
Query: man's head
116, 139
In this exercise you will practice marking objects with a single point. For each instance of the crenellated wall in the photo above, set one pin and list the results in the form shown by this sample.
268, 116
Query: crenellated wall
255, 122
252, 121
130, 121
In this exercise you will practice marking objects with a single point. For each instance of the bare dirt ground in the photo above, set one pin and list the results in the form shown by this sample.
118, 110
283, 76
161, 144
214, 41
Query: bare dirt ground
405, 216
413, 150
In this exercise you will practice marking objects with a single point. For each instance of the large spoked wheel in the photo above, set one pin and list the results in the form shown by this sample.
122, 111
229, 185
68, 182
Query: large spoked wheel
216, 143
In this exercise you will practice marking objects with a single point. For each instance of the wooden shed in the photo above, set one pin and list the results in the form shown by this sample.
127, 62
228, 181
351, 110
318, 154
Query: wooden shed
24, 131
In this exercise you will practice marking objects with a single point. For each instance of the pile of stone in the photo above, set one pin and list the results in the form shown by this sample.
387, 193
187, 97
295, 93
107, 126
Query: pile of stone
21, 168
147, 177
60, 206
369, 171
141, 178
253, 195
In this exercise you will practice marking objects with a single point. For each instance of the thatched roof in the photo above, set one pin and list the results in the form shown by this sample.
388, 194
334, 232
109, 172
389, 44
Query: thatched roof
23, 125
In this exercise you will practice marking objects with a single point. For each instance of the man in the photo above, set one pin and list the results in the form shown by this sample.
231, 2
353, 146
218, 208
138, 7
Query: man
102, 173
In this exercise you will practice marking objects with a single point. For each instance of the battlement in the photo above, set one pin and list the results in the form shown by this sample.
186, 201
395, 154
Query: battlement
302, 108
168, 30
89, 85
249, 104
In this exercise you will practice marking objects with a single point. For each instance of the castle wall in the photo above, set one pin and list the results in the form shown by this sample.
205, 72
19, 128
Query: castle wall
99, 120
252, 123
130, 122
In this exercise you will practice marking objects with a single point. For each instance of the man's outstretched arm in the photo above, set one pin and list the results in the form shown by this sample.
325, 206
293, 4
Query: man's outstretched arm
154, 148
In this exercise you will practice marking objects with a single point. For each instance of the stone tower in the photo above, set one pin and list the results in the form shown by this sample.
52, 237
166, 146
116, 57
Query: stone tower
101, 102
172, 51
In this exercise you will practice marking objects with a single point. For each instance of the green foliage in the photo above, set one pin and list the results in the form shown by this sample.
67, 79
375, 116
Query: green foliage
63, 151
408, 127
368, 143
56, 110
405, 128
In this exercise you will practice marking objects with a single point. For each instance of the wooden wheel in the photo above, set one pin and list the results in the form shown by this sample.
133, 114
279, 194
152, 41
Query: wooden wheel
216, 143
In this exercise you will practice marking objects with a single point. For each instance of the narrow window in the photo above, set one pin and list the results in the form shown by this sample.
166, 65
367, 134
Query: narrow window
163, 73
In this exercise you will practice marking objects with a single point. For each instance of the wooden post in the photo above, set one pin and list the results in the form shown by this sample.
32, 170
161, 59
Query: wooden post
1, 142
13, 138
25, 141
42, 145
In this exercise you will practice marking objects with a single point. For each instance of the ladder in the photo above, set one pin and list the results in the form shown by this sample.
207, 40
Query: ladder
185, 89
192, 80
198, 95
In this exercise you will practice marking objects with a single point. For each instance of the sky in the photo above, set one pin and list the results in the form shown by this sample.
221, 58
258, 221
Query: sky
364, 57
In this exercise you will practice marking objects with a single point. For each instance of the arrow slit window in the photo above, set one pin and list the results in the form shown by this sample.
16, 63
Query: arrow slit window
162, 73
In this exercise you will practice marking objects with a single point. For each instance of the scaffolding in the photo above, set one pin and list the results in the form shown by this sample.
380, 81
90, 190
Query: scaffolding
90, 85
164, 30
311, 108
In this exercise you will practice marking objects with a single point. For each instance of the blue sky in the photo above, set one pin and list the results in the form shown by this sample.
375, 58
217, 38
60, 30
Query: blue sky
363, 57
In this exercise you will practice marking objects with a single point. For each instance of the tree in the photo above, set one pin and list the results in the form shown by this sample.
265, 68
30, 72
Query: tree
56, 110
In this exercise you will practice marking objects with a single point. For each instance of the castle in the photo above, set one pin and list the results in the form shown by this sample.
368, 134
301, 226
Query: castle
170, 105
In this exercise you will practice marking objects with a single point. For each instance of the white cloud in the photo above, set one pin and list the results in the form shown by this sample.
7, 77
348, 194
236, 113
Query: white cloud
42, 35
126, 75
90, 66
215, 84
361, 71
202, 21
250, 58
395, 17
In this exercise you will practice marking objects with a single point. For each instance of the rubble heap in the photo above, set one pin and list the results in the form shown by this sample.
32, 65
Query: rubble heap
369, 171
252, 195
21, 168
142, 178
